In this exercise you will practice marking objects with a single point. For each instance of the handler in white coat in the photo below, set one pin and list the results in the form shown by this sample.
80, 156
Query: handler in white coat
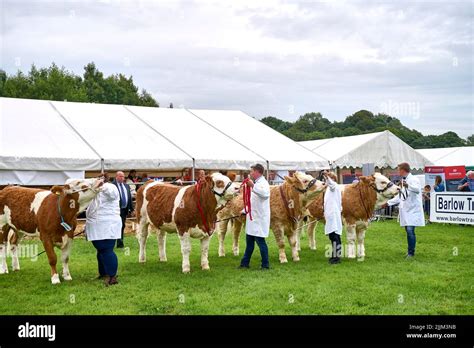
332, 215
103, 228
257, 225
410, 206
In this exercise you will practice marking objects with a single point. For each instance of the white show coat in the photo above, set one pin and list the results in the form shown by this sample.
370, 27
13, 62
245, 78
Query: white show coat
103, 215
332, 208
411, 208
260, 205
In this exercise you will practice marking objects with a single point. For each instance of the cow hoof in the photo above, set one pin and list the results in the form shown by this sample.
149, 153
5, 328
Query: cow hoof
3, 271
296, 259
351, 256
236, 253
221, 255
16, 269
205, 267
141, 260
55, 279
283, 261
164, 259
67, 277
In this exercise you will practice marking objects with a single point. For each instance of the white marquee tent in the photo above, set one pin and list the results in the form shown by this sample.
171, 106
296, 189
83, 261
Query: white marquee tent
281, 152
450, 156
384, 149
46, 142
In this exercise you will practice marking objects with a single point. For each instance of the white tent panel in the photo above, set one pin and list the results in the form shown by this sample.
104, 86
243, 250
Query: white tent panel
121, 139
281, 152
383, 149
210, 148
450, 156
34, 137
38, 177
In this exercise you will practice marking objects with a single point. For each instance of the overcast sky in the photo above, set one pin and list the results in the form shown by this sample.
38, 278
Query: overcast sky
280, 58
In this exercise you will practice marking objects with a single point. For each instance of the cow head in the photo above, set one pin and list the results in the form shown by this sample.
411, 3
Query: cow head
222, 187
306, 185
383, 186
86, 189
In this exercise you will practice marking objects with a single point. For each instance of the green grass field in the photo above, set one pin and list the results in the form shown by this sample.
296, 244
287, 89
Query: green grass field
439, 281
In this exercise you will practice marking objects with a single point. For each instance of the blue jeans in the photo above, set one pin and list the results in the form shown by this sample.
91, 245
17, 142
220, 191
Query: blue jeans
262, 245
106, 258
411, 239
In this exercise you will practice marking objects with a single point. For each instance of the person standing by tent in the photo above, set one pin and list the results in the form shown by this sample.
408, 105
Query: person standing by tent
410, 206
103, 226
332, 215
257, 225
125, 202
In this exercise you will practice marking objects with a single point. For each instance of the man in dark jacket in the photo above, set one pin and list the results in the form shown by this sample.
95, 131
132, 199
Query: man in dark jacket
125, 201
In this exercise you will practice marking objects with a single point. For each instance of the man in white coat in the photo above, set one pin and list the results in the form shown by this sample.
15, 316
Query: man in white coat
258, 220
103, 228
332, 215
410, 206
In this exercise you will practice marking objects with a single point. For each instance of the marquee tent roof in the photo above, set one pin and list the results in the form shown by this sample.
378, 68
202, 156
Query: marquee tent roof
450, 156
38, 135
210, 148
383, 149
121, 139
281, 152
33, 136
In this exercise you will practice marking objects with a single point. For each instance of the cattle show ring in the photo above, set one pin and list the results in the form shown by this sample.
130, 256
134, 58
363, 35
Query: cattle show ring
191, 198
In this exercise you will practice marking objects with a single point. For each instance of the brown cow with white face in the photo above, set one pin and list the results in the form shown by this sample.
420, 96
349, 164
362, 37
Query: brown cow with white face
288, 201
359, 201
189, 211
37, 212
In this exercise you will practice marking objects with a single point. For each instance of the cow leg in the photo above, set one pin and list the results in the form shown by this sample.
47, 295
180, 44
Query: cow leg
360, 240
221, 232
185, 241
299, 232
236, 228
13, 239
279, 237
205, 253
65, 252
294, 250
351, 237
3, 258
311, 233
52, 258
162, 245
3, 249
142, 236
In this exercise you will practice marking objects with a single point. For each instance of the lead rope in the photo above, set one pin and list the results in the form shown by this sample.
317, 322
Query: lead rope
246, 195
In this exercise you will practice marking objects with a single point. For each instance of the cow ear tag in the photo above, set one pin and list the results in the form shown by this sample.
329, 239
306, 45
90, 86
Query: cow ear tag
66, 226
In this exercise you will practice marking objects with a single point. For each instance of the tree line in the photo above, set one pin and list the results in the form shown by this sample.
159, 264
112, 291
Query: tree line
312, 126
55, 83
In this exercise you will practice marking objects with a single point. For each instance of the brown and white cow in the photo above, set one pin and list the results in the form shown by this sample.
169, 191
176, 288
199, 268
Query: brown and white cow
37, 212
173, 209
359, 201
288, 201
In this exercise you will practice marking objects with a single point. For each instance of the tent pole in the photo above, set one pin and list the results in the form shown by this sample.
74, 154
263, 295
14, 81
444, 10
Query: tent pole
268, 170
194, 167
102, 166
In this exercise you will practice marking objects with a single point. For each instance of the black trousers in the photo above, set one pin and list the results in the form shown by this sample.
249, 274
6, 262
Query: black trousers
123, 215
336, 245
